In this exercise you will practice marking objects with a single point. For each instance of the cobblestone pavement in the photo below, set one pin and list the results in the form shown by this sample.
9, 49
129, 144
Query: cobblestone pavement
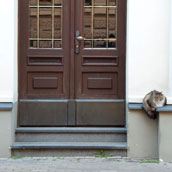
54, 164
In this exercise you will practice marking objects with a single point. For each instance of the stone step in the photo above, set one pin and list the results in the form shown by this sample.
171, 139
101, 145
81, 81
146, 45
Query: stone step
66, 134
62, 149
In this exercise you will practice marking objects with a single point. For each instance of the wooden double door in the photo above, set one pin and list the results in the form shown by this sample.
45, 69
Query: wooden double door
72, 62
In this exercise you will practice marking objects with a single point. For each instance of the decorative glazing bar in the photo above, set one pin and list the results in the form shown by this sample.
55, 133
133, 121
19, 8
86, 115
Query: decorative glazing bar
100, 6
99, 24
38, 23
53, 25
107, 23
100, 39
100, 48
92, 24
43, 39
31, 6
45, 21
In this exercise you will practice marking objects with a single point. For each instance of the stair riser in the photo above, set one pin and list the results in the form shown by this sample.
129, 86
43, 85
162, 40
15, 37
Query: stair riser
72, 137
66, 153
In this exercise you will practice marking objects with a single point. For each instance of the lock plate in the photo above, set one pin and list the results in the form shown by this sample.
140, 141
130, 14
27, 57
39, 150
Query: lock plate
77, 33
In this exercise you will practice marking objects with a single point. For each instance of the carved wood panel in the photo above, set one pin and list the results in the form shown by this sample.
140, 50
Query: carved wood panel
100, 65
58, 87
44, 49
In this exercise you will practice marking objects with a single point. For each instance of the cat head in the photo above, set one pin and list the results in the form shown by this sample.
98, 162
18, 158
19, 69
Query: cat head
158, 98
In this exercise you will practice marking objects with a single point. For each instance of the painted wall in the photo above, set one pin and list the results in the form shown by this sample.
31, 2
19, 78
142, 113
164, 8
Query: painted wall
142, 136
165, 136
8, 73
149, 58
8, 51
5, 134
148, 47
7, 128
148, 61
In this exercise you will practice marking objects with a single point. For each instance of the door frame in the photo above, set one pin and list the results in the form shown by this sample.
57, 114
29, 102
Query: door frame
72, 53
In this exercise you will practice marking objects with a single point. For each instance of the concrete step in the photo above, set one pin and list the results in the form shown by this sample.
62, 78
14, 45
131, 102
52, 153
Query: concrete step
62, 149
66, 134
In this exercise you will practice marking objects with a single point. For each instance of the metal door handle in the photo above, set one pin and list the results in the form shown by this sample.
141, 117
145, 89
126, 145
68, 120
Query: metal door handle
78, 38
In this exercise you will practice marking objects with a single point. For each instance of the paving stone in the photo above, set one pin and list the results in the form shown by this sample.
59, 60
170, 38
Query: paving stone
80, 164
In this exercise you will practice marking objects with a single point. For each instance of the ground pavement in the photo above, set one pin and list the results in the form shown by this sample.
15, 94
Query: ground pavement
80, 164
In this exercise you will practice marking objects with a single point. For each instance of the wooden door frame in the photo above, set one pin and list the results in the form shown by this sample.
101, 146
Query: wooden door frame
23, 20
118, 101
122, 49
72, 53
119, 51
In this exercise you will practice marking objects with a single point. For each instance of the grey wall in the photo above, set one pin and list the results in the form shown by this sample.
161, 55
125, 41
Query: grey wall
7, 129
165, 136
142, 135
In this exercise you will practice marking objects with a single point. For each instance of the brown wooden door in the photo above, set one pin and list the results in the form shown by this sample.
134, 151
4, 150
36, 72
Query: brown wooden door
72, 62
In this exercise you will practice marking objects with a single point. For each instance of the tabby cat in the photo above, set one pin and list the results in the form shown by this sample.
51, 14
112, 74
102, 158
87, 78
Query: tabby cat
151, 101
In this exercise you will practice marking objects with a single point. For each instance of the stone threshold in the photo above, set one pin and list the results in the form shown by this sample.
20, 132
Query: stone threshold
138, 106
6, 106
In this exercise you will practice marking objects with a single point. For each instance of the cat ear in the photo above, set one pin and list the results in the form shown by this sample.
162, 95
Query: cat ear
154, 91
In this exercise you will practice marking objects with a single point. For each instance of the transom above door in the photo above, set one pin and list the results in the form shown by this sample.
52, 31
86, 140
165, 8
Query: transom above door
72, 62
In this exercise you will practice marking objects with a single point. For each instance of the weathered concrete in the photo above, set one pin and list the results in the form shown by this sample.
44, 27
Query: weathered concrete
5, 133
71, 134
80, 165
142, 135
165, 136
7, 129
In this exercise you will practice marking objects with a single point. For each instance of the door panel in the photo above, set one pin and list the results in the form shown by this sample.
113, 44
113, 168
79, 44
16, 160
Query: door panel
43, 113
44, 49
72, 62
100, 113
100, 62
44, 52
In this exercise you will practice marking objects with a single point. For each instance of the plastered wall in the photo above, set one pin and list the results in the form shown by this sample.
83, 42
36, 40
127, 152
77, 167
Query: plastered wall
148, 59
8, 73
142, 136
165, 136
8, 51
148, 68
7, 127
148, 47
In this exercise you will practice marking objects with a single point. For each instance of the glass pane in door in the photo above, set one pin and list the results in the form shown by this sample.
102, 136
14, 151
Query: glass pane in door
100, 18
45, 28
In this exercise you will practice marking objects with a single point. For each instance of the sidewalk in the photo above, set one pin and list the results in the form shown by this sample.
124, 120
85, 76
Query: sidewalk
56, 164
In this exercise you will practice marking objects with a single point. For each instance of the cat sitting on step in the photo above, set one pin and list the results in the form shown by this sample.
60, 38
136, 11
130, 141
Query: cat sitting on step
151, 101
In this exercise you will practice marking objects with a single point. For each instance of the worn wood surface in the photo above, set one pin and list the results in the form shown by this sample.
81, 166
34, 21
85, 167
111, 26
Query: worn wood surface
58, 74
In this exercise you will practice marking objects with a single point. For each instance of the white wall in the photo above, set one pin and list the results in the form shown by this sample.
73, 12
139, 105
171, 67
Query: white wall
8, 51
149, 59
148, 47
8, 73
148, 56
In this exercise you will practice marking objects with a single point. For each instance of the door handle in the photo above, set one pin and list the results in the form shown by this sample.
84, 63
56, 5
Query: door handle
78, 38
